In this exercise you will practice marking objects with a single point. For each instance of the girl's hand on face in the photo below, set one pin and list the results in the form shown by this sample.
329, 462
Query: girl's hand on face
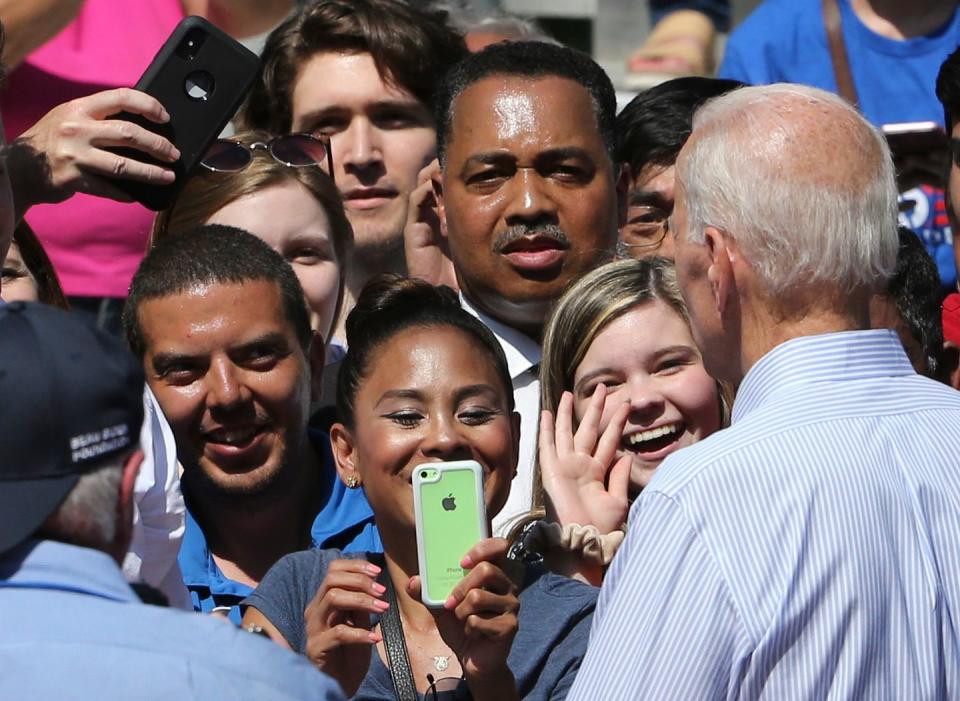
479, 619
339, 639
583, 481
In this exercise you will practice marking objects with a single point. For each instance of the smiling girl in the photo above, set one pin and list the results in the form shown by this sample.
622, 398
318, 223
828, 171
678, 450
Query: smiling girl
622, 387
424, 382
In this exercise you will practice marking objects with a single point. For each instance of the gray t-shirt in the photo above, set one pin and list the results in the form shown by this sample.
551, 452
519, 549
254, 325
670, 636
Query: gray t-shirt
554, 623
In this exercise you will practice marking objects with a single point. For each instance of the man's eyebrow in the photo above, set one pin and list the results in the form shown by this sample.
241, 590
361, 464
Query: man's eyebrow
411, 103
163, 360
269, 338
647, 198
562, 153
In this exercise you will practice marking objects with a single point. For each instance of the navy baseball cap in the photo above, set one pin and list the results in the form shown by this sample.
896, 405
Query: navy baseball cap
71, 396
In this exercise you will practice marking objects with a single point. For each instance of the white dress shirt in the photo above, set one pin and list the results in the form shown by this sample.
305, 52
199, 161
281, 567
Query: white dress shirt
809, 551
158, 510
523, 362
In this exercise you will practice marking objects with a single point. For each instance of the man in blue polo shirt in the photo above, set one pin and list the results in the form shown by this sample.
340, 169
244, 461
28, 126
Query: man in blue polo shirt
220, 323
72, 628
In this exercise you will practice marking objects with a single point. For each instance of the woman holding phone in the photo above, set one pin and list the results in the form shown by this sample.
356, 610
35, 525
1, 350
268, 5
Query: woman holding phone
425, 382
622, 387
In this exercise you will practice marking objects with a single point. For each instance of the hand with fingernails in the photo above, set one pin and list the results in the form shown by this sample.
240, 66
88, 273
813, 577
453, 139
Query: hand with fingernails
583, 481
478, 621
66, 151
339, 638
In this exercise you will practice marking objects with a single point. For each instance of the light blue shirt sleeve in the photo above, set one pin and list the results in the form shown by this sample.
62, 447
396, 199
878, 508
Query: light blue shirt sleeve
665, 607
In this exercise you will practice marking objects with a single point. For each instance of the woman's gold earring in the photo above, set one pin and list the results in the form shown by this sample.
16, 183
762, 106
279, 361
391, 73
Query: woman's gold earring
353, 482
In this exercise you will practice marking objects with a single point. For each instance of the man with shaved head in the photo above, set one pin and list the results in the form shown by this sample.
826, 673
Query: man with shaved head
809, 550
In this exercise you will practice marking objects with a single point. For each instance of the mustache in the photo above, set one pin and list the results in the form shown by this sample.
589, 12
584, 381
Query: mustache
519, 231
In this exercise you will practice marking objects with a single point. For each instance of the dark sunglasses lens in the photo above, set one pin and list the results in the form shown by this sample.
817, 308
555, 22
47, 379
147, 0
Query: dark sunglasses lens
299, 150
226, 156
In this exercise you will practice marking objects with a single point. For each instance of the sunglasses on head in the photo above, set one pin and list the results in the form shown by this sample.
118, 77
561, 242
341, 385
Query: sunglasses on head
292, 150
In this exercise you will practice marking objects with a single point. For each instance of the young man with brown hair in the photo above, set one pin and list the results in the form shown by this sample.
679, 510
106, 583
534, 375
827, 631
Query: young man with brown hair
361, 73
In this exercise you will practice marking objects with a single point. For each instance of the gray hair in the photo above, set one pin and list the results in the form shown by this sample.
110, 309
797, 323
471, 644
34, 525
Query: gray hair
88, 516
495, 21
806, 215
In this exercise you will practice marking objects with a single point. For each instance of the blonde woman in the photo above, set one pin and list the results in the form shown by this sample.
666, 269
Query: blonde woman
278, 189
622, 387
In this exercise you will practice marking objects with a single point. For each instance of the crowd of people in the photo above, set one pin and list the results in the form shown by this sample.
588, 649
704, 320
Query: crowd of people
704, 349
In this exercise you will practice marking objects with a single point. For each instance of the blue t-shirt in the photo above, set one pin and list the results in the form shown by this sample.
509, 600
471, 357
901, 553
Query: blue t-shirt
345, 521
553, 625
786, 41
73, 629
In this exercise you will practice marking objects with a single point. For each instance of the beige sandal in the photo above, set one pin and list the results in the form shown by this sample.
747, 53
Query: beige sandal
681, 44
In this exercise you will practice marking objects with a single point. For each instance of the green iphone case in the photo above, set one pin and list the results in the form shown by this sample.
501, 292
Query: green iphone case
451, 519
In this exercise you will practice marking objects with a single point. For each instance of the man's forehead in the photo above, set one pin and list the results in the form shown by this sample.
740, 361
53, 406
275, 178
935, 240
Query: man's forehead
204, 307
498, 108
332, 78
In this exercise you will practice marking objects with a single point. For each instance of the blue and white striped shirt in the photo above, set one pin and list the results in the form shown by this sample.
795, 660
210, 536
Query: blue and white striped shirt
811, 550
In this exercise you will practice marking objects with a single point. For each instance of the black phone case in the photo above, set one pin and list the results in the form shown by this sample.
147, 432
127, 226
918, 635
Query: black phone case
194, 123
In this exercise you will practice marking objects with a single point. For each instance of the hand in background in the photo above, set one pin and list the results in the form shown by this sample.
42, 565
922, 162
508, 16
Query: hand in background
424, 247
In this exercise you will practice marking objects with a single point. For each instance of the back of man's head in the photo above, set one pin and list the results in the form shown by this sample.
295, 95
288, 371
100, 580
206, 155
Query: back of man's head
411, 48
914, 289
208, 255
528, 59
69, 421
655, 125
802, 182
948, 89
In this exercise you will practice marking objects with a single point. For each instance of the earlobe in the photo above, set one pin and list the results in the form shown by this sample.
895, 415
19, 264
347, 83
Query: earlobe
344, 455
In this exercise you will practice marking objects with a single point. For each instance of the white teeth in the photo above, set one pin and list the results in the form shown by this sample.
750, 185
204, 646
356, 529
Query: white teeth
643, 436
234, 436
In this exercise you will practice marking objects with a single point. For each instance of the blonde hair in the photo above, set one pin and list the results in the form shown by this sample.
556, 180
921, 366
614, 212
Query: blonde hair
583, 312
206, 193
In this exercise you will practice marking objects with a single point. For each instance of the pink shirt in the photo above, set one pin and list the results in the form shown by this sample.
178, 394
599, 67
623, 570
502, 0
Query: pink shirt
95, 243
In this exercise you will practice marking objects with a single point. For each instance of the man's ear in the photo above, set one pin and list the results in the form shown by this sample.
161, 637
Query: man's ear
437, 180
951, 364
124, 528
623, 193
344, 452
720, 273
317, 359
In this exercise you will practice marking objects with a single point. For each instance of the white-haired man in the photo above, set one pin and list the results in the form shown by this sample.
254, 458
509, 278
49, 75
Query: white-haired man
809, 550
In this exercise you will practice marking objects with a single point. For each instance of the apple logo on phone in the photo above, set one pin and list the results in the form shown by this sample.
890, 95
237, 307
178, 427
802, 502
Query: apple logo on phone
449, 503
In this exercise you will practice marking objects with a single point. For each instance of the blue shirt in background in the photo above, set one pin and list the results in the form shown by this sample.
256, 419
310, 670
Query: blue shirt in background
809, 551
73, 629
786, 41
345, 522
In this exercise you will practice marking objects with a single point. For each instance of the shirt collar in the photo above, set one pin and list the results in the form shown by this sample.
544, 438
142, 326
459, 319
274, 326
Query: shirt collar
343, 509
843, 356
522, 351
47, 564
